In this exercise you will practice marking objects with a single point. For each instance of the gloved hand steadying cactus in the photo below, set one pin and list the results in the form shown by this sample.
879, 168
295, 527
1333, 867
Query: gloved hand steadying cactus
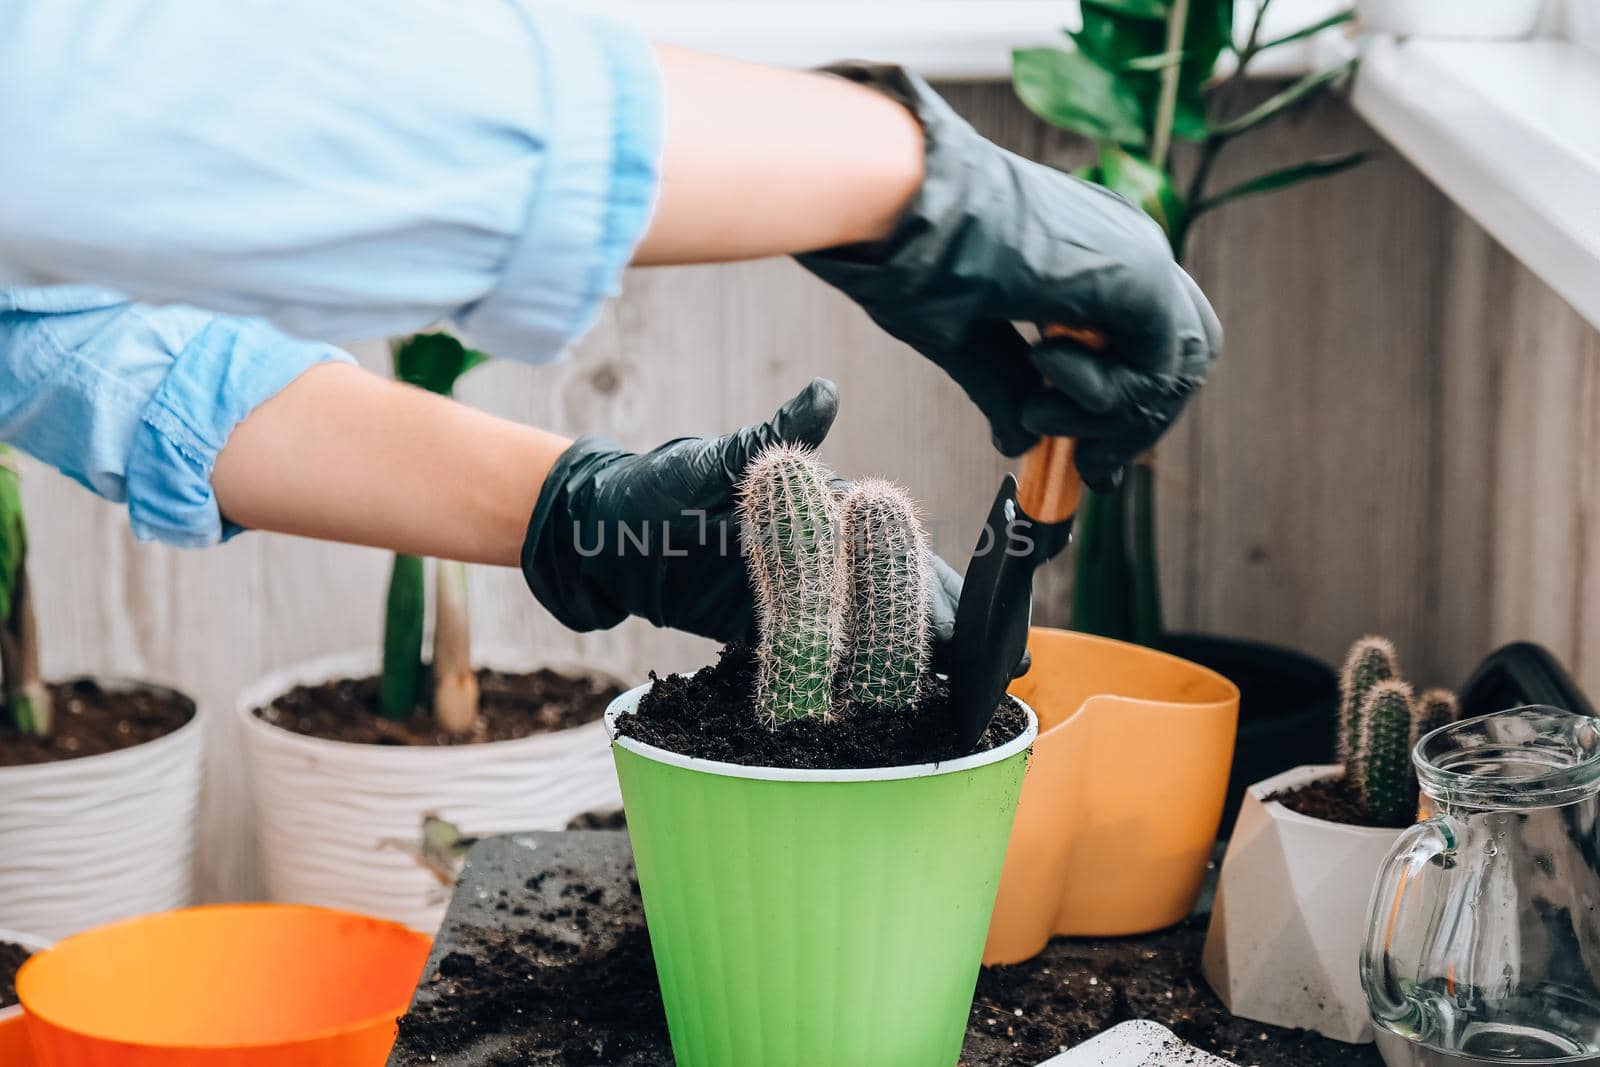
617, 533
990, 239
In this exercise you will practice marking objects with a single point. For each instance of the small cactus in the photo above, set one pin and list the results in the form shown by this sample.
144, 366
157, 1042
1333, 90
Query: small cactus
789, 513
1382, 768
1372, 660
890, 570
1435, 708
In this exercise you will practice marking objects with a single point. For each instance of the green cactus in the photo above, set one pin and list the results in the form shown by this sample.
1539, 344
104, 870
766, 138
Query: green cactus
1382, 770
1372, 660
1435, 708
889, 570
789, 513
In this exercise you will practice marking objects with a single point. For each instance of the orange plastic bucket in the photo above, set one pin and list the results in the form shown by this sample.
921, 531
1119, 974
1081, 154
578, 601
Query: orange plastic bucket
255, 985
1120, 806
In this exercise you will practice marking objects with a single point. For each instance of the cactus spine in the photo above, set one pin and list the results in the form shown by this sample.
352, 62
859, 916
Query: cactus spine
1382, 768
790, 526
890, 570
1435, 708
1380, 722
1372, 660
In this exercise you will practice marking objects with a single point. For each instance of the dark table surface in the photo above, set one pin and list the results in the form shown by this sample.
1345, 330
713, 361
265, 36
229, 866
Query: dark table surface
518, 883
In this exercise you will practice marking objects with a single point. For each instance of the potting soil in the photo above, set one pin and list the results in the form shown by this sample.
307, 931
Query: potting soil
1331, 799
11, 960
91, 720
711, 714
511, 706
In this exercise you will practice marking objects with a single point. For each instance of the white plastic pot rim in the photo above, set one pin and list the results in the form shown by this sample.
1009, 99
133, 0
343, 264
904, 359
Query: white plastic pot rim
355, 664
32, 944
106, 762
1302, 776
629, 701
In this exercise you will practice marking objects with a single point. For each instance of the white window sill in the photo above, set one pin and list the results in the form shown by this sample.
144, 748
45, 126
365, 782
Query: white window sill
1508, 131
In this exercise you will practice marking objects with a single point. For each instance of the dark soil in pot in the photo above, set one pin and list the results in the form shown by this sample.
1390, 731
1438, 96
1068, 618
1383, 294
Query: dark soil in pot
92, 719
12, 958
1333, 800
711, 714
1288, 704
511, 706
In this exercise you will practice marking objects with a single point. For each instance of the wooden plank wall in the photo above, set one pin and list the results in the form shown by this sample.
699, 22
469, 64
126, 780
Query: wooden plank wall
1400, 439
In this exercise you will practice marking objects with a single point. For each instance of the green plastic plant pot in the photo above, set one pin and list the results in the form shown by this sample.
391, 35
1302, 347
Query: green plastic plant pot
817, 918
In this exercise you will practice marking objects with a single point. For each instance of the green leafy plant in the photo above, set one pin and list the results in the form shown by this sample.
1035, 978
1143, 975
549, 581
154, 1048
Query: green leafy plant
1136, 78
1380, 721
790, 521
435, 362
27, 701
890, 571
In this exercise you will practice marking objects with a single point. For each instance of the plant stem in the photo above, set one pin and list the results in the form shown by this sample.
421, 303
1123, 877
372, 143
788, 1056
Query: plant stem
1212, 147
455, 685
1167, 103
26, 695
402, 637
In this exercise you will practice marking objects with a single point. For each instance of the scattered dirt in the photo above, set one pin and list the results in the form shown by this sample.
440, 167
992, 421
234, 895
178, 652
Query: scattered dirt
91, 720
1332, 799
11, 960
599, 820
711, 715
580, 992
1076, 989
512, 706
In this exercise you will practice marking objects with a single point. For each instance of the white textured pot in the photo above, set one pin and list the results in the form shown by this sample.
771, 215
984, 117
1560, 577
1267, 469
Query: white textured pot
84, 842
1291, 914
340, 822
1451, 19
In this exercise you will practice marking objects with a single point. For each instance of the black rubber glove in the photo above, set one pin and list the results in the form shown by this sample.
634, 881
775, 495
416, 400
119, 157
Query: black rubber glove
617, 533
991, 239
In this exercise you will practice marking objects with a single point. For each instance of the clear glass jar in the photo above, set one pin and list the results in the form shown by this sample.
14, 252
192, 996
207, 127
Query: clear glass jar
1483, 943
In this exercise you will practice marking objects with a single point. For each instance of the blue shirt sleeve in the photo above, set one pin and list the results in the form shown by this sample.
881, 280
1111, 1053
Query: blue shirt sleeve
342, 169
135, 402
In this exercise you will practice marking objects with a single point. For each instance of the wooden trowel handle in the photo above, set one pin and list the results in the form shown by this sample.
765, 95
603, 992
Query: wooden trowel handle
1050, 487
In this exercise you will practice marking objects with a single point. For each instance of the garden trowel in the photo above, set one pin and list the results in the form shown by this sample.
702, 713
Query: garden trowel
1028, 525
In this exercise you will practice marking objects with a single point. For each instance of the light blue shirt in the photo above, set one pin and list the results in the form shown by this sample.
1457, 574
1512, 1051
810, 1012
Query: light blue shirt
338, 170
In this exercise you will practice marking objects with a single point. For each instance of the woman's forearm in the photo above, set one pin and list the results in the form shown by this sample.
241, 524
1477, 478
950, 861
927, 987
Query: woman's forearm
760, 161
344, 455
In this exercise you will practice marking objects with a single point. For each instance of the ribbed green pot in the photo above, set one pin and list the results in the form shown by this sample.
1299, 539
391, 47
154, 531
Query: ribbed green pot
817, 918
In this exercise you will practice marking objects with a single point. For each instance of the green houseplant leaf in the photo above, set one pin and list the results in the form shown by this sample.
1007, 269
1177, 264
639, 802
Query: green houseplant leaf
1145, 184
1296, 94
435, 362
1310, 170
1068, 89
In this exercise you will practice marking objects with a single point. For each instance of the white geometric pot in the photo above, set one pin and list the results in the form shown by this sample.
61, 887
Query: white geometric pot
1291, 914
1482, 20
339, 822
84, 842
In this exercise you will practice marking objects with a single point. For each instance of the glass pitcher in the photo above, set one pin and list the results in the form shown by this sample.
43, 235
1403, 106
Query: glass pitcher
1483, 943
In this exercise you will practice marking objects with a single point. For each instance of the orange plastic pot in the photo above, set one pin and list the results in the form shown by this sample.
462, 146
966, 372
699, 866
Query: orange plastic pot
257, 985
1121, 803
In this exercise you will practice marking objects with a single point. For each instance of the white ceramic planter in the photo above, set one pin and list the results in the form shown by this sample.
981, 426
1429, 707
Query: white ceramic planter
1291, 914
339, 822
1451, 19
89, 841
